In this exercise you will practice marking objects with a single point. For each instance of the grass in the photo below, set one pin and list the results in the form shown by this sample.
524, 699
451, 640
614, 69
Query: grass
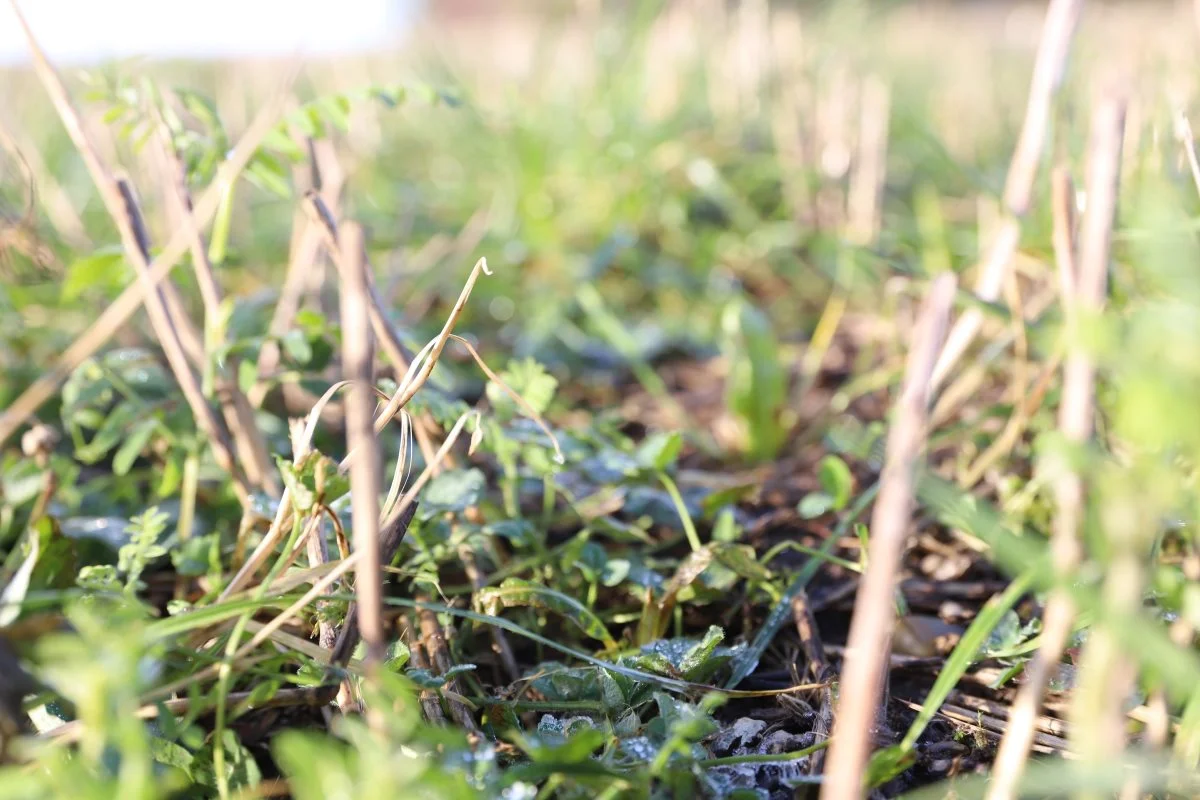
815, 420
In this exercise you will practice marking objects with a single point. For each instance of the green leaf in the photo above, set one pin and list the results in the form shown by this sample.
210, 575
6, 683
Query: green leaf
296, 345
303, 496
815, 504
247, 375
268, 173
278, 140
453, 490
171, 477
133, 445
200, 107
757, 385
725, 530
427, 680
836, 480
719, 501
315, 478
889, 762
99, 578
21, 483
456, 670
262, 692
397, 656
57, 561
310, 123
659, 451
1005, 635
241, 769
570, 757
312, 322
556, 682
695, 662
528, 379
104, 269
336, 109
317, 767
520, 532
114, 428
740, 558
197, 555
172, 755
144, 531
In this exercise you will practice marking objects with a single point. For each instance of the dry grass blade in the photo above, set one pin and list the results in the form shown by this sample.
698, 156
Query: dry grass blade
239, 415
409, 386
1104, 674
1053, 50
388, 339
122, 206
127, 303
429, 699
346, 564
1075, 409
1187, 139
1075, 423
818, 668
431, 353
389, 543
301, 445
435, 645
138, 251
358, 366
864, 198
871, 626
521, 402
1062, 209
312, 696
307, 241
46, 190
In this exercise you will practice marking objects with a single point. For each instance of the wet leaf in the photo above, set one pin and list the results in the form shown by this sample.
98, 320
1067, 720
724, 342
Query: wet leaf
1005, 635
696, 660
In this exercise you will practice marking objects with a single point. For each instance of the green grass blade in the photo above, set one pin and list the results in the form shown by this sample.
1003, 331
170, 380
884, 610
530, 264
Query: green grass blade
747, 660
